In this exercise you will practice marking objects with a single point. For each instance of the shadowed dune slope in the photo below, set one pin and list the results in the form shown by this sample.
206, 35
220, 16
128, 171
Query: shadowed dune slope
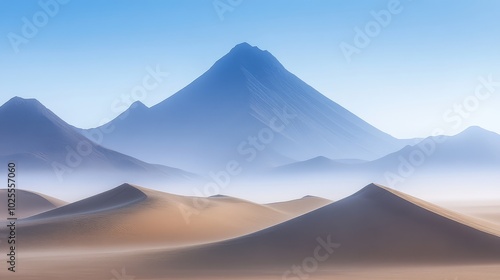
28, 203
374, 225
113, 199
132, 216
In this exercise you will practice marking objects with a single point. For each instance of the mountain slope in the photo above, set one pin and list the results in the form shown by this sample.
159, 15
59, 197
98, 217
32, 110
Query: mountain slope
431, 168
474, 148
56, 155
247, 107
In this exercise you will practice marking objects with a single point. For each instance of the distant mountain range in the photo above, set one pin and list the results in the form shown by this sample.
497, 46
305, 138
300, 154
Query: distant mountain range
247, 107
53, 153
248, 110
453, 163
474, 148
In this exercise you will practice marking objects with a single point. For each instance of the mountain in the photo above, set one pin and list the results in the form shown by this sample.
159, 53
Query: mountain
435, 165
247, 107
55, 155
315, 165
376, 225
472, 149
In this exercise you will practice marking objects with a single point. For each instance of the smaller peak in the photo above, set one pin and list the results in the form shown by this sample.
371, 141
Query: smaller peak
311, 197
321, 159
475, 133
315, 199
474, 130
135, 108
219, 196
138, 105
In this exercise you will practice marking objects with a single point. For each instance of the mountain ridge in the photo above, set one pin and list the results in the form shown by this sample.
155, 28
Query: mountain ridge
245, 93
55, 154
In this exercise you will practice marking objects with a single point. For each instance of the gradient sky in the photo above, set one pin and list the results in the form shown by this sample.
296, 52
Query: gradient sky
427, 58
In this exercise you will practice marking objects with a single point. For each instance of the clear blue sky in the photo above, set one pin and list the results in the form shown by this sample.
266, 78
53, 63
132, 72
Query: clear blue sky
427, 58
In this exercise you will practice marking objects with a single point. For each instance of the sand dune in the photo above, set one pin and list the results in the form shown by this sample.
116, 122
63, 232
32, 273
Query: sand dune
28, 203
116, 198
376, 233
133, 216
300, 206
374, 226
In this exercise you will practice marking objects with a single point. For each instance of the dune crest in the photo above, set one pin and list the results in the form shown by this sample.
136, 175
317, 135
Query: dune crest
481, 225
116, 198
131, 215
376, 225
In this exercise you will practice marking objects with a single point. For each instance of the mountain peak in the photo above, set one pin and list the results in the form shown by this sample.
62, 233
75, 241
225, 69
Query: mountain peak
245, 48
135, 108
138, 105
476, 130
19, 101
22, 107
247, 51
249, 57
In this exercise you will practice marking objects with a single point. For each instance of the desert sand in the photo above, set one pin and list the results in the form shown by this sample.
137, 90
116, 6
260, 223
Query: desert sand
374, 226
132, 215
132, 232
28, 203
300, 206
